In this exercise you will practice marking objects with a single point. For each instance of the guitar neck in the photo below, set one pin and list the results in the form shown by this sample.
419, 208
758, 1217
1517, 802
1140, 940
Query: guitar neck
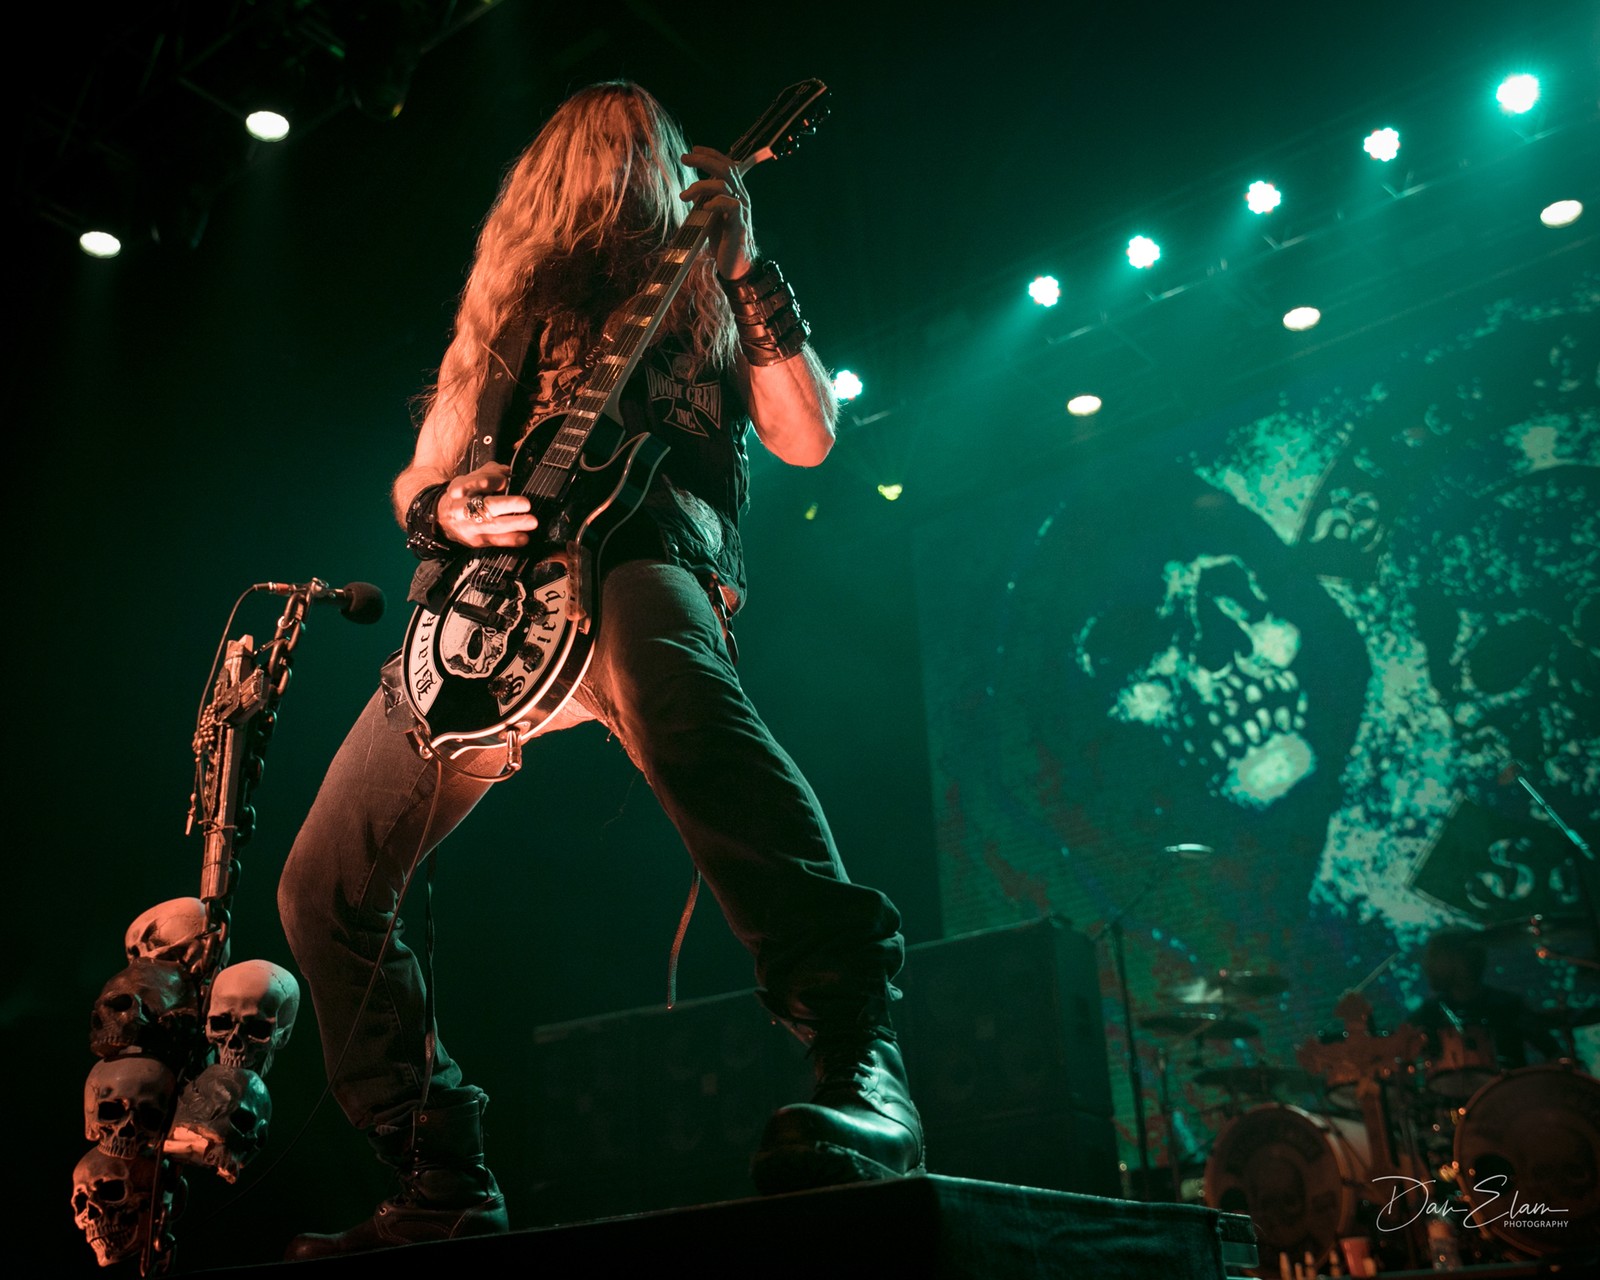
791, 116
636, 324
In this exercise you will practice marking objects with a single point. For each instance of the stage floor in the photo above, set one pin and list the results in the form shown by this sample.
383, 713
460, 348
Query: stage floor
924, 1226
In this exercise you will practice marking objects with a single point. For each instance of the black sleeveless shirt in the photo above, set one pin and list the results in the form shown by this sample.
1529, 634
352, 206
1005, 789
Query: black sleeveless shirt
691, 514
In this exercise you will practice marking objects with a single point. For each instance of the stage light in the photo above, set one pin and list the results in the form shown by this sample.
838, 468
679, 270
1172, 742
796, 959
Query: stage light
811, 512
268, 126
1382, 144
1517, 94
1300, 319
1563, 213
1083, 406
1143, 251
1262, 197
846, 385
100, 244
890, 491
1046, 291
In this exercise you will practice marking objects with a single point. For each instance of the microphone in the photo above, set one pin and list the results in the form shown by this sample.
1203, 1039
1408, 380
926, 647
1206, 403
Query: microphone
359, 601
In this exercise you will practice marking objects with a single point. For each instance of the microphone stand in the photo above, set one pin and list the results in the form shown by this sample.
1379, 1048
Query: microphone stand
1114, 928
1135, 1075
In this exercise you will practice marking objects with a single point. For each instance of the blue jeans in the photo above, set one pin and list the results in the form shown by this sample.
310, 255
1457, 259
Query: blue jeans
662, 681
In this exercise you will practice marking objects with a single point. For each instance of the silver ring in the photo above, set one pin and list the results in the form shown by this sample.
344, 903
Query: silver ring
476, 508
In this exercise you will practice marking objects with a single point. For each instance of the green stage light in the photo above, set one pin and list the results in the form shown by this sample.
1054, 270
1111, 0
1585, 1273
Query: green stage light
1517, 94
1382, 144
1046, 291
1299, 319
1143, 251
846, 385
1083, 406
1262, 197
1563, 213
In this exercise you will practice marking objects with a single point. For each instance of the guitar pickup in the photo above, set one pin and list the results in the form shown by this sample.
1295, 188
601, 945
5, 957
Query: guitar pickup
502, 614
483, 615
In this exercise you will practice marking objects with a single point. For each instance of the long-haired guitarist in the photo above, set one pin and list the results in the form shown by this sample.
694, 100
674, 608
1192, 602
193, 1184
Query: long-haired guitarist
580, 228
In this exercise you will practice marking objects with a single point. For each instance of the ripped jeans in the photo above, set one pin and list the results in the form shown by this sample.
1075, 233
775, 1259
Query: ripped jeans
662, 681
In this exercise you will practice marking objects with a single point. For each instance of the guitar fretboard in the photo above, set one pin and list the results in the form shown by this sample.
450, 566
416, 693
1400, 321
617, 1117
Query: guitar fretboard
636, 324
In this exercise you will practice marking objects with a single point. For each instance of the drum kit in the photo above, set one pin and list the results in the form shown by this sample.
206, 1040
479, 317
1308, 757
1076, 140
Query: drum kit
1377, 1145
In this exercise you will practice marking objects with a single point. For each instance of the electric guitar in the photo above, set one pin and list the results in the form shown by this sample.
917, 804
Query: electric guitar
516, 634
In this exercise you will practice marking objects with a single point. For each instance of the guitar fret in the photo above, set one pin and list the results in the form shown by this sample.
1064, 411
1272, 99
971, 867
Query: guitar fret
609, 369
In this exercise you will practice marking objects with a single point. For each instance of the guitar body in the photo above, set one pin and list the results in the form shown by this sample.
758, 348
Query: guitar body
516, 633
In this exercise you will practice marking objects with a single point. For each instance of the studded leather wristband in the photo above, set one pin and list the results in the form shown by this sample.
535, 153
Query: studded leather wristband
424, 539
766, 314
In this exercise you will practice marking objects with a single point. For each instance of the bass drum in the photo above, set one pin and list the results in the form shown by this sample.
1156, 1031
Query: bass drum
1298, 1176
1527, 1151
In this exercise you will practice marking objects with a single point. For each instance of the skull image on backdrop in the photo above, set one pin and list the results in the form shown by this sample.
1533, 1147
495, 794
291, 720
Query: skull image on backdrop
1223, 690
1312, 633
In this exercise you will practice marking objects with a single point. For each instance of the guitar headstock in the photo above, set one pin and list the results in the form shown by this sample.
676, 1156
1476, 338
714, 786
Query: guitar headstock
794, 114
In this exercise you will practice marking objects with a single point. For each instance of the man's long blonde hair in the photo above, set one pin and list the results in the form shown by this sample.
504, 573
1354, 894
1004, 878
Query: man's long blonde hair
606, 164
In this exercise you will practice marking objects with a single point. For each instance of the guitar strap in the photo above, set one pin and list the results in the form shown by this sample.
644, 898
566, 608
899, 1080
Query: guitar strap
506, 355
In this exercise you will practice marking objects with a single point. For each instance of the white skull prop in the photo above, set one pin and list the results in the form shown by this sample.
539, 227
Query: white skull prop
1222, 690
173, 931
222, 1120
151, 1007
126, 1102
252, 1013
111, 1203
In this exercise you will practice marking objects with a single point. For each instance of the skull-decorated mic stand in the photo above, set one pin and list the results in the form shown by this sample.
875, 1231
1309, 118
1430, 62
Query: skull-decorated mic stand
184, 1038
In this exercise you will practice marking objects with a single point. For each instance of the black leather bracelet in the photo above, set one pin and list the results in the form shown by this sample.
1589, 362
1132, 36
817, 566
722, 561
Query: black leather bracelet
766, 314
423, 536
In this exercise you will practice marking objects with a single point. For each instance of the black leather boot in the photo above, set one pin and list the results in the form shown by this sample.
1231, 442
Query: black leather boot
446, 1190
860, 1124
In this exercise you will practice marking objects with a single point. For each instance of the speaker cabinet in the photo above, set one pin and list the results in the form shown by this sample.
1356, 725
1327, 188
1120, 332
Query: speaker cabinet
1004, 1044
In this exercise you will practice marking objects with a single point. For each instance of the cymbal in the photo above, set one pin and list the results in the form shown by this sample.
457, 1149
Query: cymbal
1195, 1022
1196, 991
1256, 1080
1560, 931
1252, 984
1227, 986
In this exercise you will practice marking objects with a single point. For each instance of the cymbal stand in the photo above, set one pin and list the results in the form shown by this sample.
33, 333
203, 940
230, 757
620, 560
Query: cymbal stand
1164, 1098
1580, 885
1113, 927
